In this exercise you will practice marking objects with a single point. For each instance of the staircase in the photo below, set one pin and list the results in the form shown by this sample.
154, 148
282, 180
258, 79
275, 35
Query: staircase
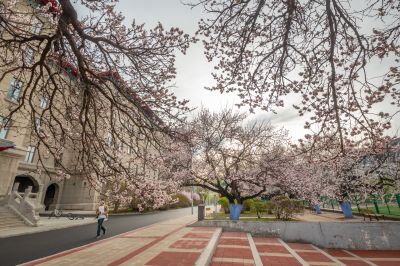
9, 220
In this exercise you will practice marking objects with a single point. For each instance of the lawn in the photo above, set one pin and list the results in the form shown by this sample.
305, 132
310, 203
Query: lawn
394, 210
246, 216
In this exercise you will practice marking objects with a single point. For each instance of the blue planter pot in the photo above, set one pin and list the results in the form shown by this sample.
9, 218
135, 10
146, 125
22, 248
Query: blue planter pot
346, 209
235, 211
317, 209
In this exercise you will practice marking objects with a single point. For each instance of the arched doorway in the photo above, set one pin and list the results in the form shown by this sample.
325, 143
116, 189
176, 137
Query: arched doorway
51, 196
26, 181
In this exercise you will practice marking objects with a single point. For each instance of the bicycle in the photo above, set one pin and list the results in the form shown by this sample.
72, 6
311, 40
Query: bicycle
56, 213
72, 216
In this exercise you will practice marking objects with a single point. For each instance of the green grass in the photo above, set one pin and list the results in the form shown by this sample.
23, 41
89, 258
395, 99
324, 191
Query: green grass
246, 216
394, 211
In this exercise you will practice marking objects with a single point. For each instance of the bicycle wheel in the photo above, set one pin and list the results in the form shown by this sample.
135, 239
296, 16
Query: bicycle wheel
70, 216
57, 213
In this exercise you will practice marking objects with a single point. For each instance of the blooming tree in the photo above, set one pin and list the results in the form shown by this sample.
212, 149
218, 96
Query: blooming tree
361, 172
235, 160
153, 182
317, 55
91, 86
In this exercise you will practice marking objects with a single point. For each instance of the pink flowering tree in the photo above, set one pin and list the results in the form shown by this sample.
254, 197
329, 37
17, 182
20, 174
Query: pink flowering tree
237, 160
318, 56
153, 178
363, 171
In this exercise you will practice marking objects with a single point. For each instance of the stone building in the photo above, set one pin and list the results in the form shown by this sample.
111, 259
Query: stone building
19, 167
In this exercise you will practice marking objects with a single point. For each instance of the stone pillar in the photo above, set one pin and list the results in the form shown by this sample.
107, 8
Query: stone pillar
40, 198
15, 187
9, 161
27, 193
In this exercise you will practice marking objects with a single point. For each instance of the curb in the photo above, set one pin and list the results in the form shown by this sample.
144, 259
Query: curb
207, 254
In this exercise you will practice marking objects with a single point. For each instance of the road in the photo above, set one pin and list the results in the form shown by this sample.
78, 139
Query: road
20, 249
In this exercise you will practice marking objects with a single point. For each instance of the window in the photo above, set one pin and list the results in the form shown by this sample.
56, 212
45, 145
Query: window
120, 146
15, 89
28, 56
44, 102
36, 26
131, 149
109, 139
37, 123
30, 153
3, 128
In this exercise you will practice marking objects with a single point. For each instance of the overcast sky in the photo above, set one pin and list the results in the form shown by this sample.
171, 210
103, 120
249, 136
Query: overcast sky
194, 72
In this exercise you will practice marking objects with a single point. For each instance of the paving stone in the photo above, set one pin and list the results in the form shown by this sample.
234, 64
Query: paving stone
199, 244
377, 253
355, 262
241, 253
234, 234
237, 242
271, 249
204, 229
279, 261
261, 240
198, 235
338, 253
314, 256
230, 264
300, 246
387, 263
174, 259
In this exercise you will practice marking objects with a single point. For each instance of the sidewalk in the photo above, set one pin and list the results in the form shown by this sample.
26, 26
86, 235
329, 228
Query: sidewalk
165, 243
326, 217
173, 243
46, 224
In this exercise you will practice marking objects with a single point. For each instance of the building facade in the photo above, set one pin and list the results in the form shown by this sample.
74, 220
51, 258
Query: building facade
22, 167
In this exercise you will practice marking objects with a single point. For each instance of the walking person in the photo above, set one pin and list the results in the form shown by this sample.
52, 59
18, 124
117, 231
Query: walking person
101, 214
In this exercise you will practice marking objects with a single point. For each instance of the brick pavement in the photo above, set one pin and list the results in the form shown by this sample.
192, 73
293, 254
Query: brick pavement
172, 243
234, 249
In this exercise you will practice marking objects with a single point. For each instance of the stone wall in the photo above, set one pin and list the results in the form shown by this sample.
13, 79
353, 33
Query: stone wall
352, 235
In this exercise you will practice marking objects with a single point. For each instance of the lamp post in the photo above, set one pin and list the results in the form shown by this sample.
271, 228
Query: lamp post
192, 197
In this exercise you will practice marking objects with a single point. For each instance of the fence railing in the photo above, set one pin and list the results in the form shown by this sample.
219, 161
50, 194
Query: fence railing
388, 204
21, 205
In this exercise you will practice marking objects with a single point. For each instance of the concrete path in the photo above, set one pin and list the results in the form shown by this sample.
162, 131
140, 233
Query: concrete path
175, 243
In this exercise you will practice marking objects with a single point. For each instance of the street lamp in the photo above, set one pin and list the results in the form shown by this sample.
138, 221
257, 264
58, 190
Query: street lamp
192, 197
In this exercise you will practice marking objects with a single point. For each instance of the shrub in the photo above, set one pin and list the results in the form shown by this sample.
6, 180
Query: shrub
285, 208
224, 202
182, 202
259, 206
247, 205
188, 195
268, 207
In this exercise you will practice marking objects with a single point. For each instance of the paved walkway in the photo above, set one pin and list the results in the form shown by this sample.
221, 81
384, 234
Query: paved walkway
235, 249
172, 243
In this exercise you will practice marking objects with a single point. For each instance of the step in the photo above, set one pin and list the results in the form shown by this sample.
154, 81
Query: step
6, 228
11, 218
15, 222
